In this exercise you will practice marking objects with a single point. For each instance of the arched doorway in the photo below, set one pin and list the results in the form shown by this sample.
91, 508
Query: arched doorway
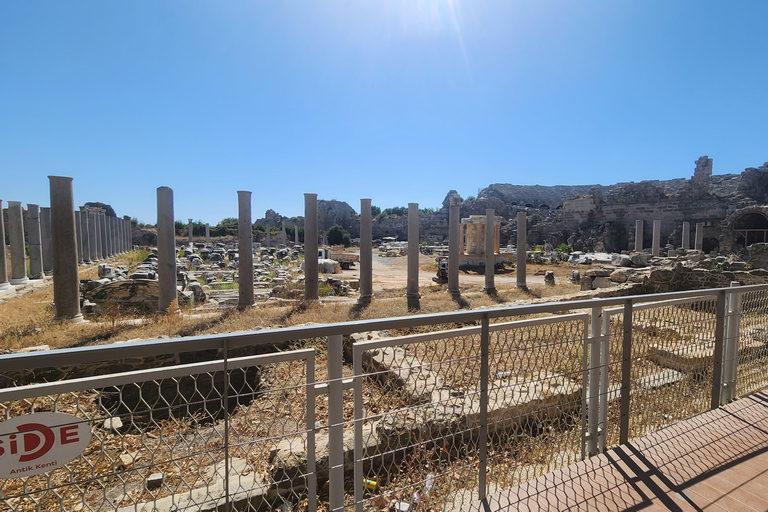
751, 228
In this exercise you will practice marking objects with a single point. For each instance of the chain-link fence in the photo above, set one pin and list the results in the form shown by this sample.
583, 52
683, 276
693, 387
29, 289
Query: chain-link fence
473, 405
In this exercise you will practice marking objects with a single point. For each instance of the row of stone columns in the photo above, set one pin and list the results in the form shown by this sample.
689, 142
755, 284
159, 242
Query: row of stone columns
656, 240
412, 288
54, 233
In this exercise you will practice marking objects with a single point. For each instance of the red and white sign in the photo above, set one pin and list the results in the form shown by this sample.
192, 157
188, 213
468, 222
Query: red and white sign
37, 443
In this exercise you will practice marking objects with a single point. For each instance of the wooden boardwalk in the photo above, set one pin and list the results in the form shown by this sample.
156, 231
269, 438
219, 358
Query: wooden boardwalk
715, 461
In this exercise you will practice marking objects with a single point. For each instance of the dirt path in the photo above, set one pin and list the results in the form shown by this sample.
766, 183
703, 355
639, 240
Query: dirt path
391, 273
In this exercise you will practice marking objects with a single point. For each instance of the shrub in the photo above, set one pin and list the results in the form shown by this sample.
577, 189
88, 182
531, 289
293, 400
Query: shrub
337, 235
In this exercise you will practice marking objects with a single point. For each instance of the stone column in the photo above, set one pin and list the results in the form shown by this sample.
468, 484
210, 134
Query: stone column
699, 236
207, 234
366, 252
128, 233
269, 237
686, 235
522, 251
296, 234
103, 233
284, 238
107, 237
245, 248
66, 279
413, 257
79, 233
310, 247
120, 235
454, 243
93, 231
638, 235
189, 226
490, 255
656, 245
86, 235
18, 249
110, 235
35, 243
5, 286
114, 238
46, 239
166, 250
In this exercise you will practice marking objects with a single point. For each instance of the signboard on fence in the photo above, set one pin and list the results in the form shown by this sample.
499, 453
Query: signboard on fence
37, 443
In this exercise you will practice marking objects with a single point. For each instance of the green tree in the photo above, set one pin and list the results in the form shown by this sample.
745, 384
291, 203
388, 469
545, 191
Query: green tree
225, 227
375, 211
337, 235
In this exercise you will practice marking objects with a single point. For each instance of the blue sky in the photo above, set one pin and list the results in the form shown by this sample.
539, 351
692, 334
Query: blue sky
396, 100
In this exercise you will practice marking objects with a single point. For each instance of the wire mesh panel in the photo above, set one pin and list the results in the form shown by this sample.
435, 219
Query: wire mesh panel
423, 444
535, 413
418, 445
752, 342
610, 394
673, 343
175, 438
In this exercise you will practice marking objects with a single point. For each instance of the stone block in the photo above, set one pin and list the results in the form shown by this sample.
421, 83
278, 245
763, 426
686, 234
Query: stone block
602, 282
619, 276
621, 260
639, 259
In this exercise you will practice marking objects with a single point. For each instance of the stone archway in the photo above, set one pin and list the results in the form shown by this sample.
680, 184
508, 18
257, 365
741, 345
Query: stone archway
750, 228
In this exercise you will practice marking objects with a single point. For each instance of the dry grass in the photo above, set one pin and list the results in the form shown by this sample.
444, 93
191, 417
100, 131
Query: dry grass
27, 321
189, 445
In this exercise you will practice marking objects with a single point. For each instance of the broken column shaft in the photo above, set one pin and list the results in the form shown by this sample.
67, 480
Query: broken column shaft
490, 255
66, 278
166, 250
310, 247
366, 253
245, 294
35, 244
454, 243
18, 249
522, 251
412, 292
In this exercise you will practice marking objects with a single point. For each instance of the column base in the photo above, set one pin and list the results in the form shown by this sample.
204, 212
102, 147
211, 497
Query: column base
455, 293
78, 318
413, 301
6, 289
21, 280
491, 291
37, 276
364, 300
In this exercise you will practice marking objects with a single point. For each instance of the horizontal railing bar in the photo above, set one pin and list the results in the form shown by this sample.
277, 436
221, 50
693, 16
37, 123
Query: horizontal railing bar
80, 355
660, 304
467, 331
136, 376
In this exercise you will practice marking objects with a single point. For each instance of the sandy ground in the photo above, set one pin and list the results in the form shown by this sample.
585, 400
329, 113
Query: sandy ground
391, 273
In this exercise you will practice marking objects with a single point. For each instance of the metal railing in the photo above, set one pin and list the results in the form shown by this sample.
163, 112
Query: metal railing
438, 412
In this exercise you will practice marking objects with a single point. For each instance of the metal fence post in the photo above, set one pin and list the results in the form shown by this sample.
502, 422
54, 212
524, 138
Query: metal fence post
311, 465
626, 369
731, 356
335, 423
717, 367
225, 399
483, 437
594, 380
358, 386
602, 426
